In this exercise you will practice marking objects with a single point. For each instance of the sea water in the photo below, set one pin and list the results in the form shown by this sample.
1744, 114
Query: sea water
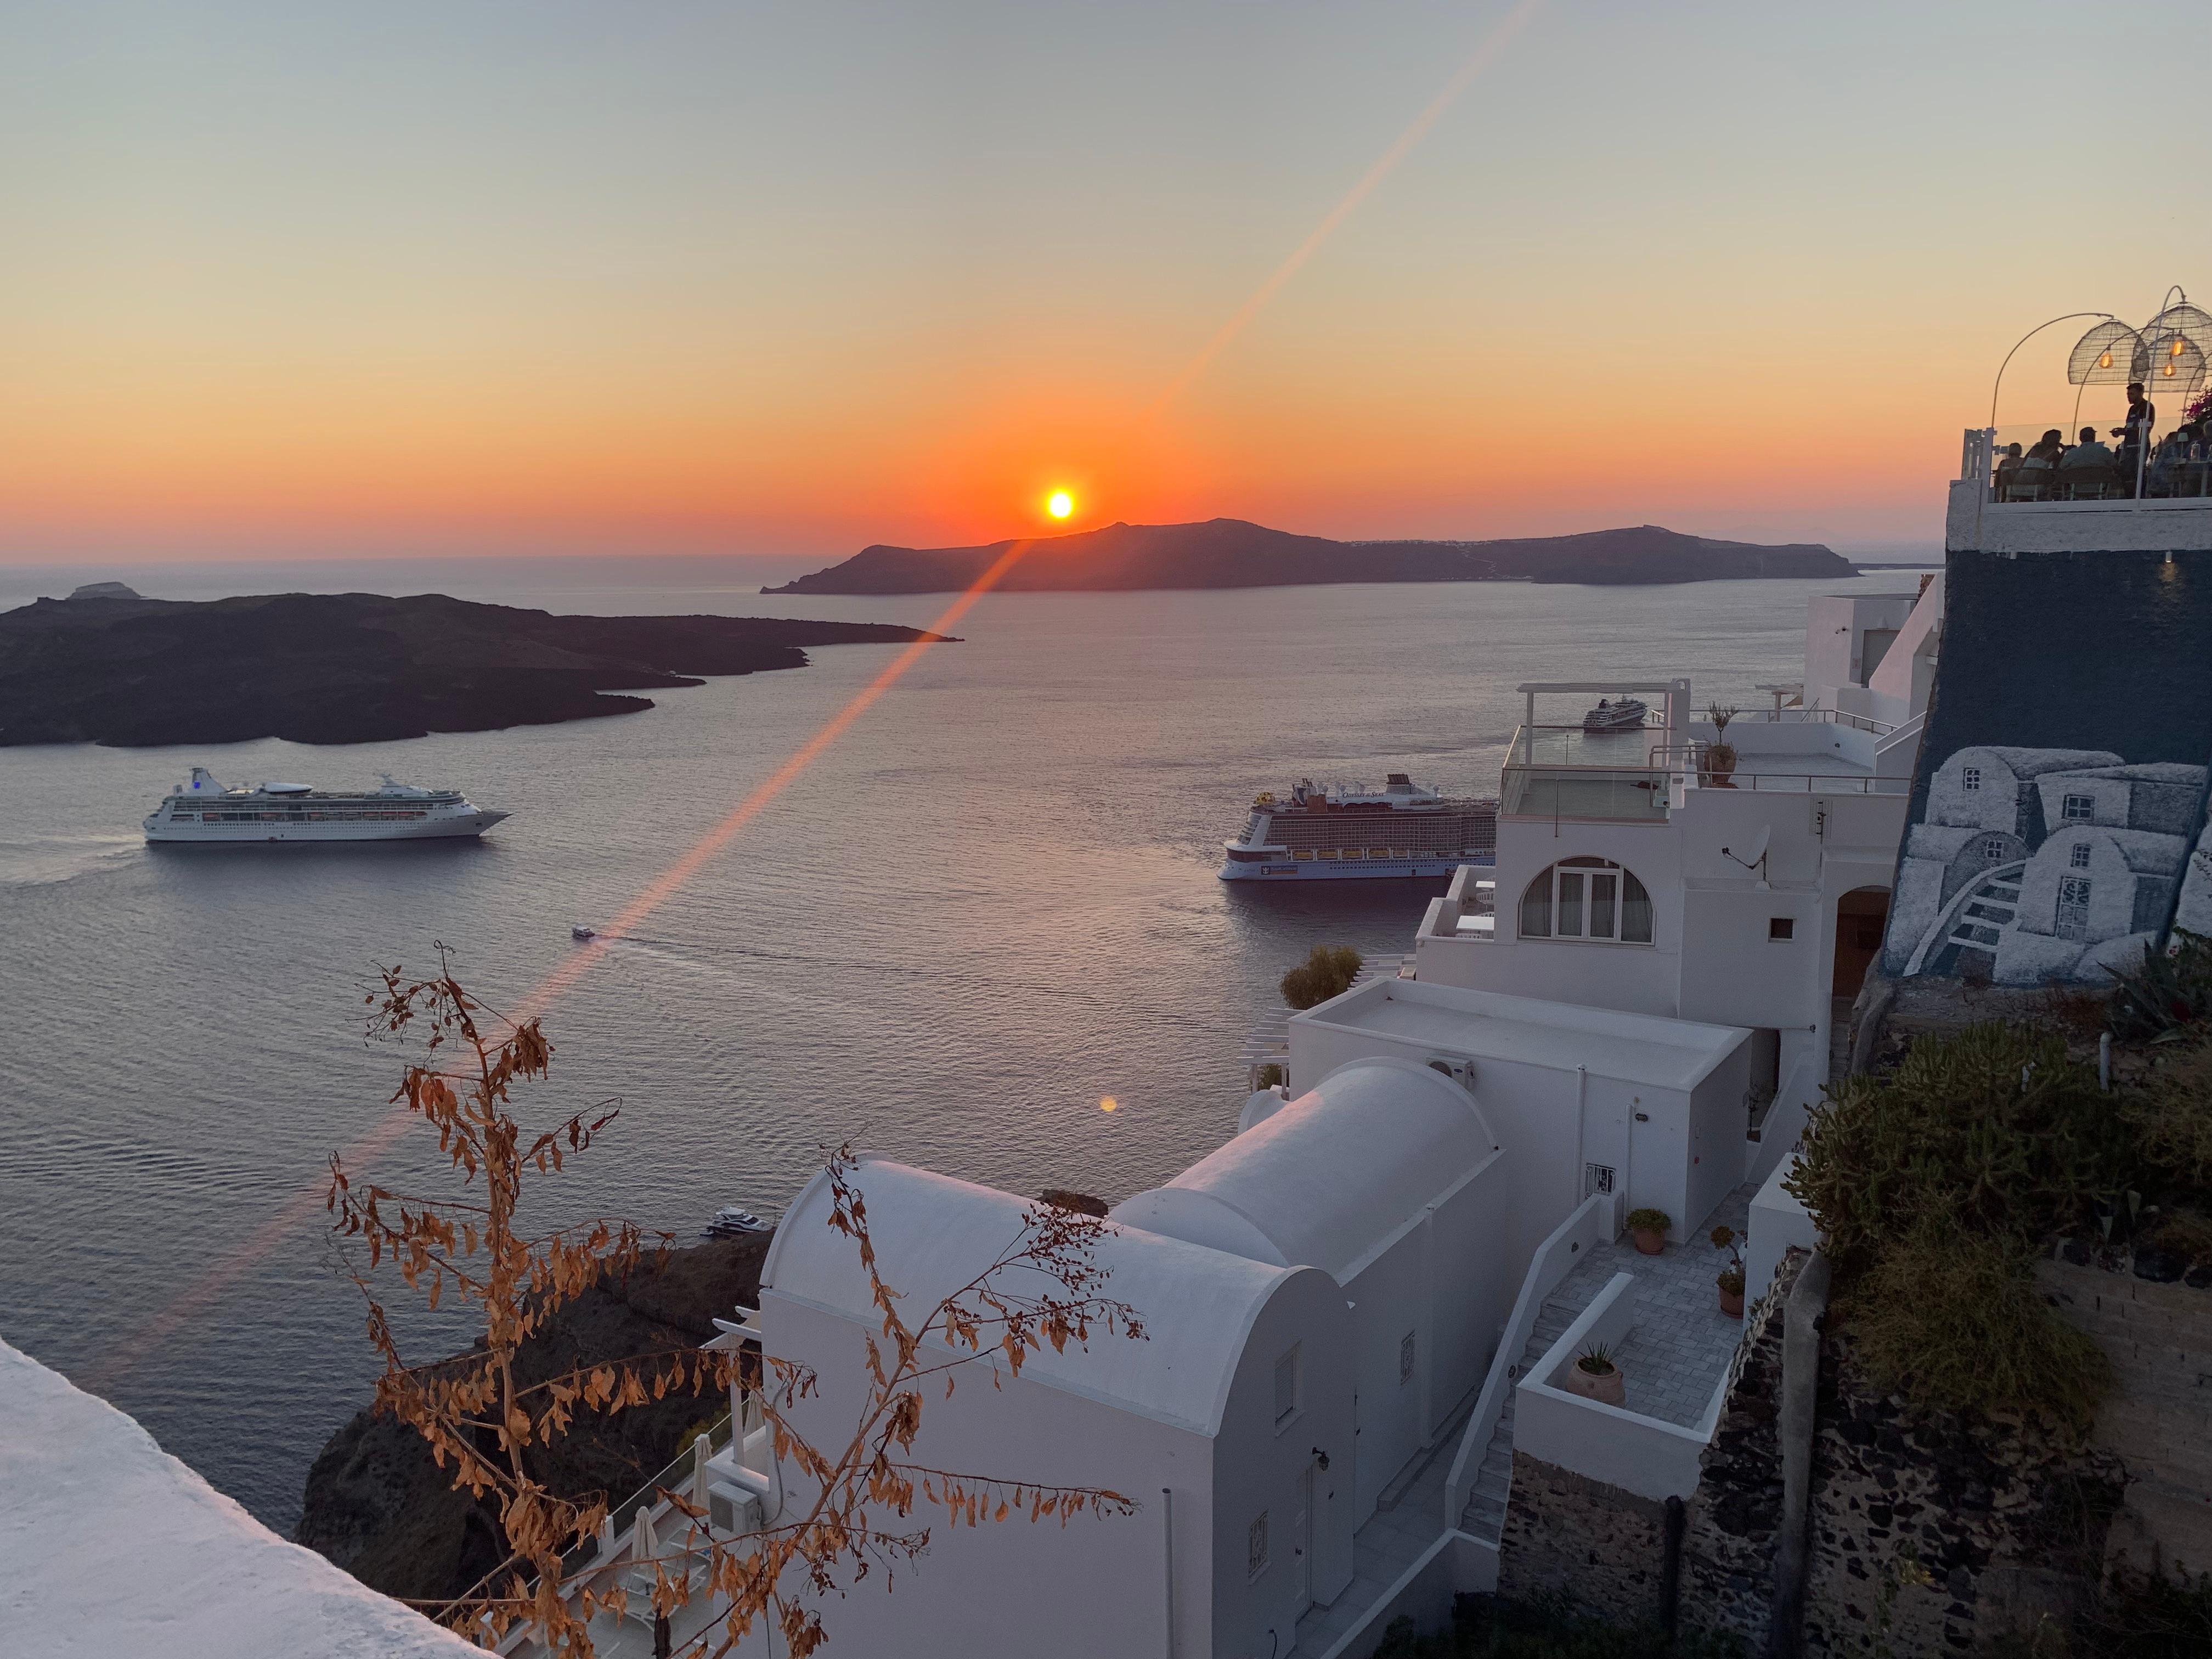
988, 907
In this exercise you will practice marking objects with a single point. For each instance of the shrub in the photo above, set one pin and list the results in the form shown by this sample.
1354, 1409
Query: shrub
2145, 1615
1649, 1221
1327, 972
1953, 1319
1489, 1627
1271, 1076
1994, 1131
2184, 1233
2171, 1116
2172, 989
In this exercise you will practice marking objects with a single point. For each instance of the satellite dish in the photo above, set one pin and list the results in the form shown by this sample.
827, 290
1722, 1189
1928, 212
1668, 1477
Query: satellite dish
1756, 860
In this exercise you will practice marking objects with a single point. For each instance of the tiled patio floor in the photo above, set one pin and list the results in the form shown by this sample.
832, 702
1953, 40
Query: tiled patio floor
1681, 1343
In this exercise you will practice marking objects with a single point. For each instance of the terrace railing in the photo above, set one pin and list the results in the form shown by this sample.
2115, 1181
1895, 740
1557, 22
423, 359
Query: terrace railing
1564, 773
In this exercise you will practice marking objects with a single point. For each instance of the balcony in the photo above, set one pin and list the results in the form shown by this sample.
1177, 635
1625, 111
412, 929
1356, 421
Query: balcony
1565, 773
2158, 505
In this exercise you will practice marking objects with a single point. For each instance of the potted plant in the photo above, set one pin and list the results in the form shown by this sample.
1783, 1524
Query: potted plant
1650, 1228
1731, 1277
1719, 764
1594, 1377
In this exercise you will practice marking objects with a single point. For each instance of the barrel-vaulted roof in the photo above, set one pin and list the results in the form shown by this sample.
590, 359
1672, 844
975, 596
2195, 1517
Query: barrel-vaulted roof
933, 1234
1334, 1176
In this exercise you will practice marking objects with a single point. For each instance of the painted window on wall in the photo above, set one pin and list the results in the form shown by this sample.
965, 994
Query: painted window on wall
1406, 1359
1287, 1386
2077, 857
1970, 777
1256, 1547
2080, 808
1993, 846
1586, 898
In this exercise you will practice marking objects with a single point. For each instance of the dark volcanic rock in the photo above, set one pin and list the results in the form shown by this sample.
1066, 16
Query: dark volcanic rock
109, 667
1230, 553
378, 1507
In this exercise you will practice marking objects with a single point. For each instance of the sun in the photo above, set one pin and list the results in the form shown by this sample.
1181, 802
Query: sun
1059, 503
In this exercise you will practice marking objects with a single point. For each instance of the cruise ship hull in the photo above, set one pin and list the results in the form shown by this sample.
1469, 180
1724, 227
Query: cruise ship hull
431, 829
1289, 869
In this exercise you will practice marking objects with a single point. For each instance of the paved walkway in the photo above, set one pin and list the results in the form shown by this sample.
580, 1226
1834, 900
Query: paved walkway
1675, 1355
1397, 1533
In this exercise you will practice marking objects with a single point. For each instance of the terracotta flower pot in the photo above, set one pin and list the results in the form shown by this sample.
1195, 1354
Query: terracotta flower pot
1649, 1243
1608, 1388
1732, 1302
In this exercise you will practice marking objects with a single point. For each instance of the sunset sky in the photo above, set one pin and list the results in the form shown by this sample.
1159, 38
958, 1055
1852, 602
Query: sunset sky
286, 277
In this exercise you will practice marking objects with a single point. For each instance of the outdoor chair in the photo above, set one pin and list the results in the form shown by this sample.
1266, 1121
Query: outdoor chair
2089, 484
2026, 484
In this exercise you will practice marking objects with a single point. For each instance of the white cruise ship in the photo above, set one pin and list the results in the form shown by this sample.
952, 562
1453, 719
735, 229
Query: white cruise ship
1334, 832
204, 810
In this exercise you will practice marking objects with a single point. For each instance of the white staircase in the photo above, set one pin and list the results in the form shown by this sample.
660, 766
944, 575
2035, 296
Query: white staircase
1485, 1518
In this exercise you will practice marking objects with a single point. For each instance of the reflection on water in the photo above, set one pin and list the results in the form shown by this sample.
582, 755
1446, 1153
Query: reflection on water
990, 907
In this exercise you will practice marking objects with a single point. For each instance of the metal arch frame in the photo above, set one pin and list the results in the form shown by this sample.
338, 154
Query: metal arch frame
2103, 316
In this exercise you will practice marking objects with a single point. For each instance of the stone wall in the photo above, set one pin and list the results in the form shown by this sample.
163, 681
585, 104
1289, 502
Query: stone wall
1604, 1549
1932, 1533
1594, 1546
2155, 1326
1732, 1525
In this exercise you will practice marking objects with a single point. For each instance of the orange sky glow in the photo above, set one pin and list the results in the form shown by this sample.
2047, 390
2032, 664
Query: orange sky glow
1470, 271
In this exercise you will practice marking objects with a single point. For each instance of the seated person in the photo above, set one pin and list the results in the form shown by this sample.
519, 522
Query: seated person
2166, 460
2087, 453
2009, 462
2047, 450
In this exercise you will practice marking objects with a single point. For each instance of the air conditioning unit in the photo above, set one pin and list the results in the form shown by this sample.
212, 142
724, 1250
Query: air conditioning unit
733, 1510
1460, 1071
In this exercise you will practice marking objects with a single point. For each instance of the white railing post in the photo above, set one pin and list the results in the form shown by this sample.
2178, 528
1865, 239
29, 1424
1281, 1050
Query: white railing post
702, 1450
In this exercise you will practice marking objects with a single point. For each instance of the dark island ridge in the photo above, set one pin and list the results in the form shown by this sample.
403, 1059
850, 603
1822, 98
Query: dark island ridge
1231, 553
107, 666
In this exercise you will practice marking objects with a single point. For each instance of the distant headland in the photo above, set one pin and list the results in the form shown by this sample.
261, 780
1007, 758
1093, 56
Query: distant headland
1231, 553
104, 665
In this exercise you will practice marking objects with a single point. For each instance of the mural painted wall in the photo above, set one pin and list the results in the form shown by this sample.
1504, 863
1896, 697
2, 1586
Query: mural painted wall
2058, 824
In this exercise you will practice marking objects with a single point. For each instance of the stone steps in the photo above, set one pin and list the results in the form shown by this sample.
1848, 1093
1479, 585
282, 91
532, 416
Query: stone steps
1484, 1515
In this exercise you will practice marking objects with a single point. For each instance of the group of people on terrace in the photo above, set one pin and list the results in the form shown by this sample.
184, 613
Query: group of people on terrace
2091, 470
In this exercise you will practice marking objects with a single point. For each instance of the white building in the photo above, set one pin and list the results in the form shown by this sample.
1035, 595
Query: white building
1630, 875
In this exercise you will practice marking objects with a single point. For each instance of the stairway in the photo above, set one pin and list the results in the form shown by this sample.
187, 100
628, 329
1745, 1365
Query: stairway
1995, 902
1485, 1518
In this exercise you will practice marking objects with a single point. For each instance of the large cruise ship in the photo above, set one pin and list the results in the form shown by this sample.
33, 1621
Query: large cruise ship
1401, 829
204, 810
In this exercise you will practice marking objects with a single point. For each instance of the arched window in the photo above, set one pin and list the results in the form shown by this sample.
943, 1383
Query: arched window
1587, 899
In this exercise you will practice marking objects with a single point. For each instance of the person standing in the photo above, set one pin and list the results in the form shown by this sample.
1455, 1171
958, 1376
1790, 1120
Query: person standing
2134, 433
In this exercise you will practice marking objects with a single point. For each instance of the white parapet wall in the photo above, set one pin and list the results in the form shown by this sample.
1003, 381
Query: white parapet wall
1975, 523
111, 1547
1622, 1448
1778, 1221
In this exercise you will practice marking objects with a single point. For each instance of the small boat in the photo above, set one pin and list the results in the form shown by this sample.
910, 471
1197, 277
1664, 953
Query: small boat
581, 931
734, 1221
1625, 715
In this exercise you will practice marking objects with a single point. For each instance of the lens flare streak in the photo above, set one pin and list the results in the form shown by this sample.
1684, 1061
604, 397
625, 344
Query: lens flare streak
228, 1268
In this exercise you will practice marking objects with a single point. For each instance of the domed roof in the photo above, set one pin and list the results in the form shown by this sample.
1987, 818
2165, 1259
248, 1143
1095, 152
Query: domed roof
1331, 1177
932, 1235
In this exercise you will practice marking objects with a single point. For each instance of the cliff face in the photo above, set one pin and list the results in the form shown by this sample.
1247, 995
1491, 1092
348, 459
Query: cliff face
378, 1507
1230, 553
356, 667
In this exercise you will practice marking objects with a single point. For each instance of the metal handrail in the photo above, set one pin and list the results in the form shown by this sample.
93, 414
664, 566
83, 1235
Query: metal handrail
1817, 717
1770, 783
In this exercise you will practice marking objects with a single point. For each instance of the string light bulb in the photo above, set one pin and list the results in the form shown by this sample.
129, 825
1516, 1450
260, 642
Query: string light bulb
2104, 362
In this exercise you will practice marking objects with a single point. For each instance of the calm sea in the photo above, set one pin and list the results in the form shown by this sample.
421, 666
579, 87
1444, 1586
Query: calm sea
991, 903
